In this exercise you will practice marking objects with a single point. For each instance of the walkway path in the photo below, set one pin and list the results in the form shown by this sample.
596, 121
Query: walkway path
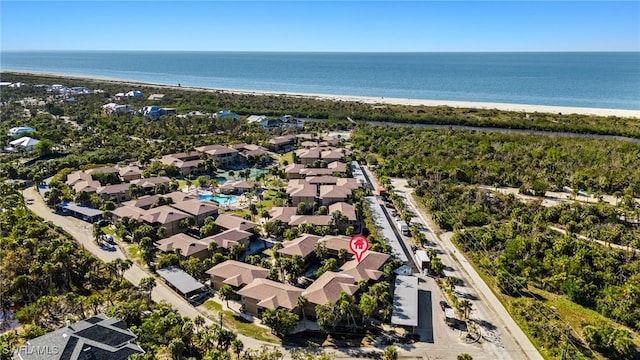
603, 243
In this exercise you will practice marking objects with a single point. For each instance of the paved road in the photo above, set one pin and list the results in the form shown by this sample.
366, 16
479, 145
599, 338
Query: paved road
501, 335
82, 232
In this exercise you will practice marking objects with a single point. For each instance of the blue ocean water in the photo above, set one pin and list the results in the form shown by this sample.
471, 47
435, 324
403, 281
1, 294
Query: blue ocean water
598, 79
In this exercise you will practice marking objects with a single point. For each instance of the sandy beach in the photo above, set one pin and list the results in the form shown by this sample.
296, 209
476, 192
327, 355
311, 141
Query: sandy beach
368, 100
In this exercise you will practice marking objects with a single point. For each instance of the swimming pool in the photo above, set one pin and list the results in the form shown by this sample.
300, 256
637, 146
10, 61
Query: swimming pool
220, 199
220, 180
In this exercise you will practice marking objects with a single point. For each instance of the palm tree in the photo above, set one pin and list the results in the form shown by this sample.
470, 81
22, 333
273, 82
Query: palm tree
327, 316
367, 306
301, 303
176, 347
390, 353
451, 282
465, 306
198, 321
147, 284
237, 346
226, 292
98, 233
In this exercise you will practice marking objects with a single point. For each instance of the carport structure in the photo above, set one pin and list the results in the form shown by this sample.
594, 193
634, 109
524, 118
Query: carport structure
405, 302
85, 213
180, 281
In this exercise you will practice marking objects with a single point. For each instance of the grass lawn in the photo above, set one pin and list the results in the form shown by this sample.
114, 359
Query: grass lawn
238, 324
280, 158
213, 305
108, 230
183, 183
268, 200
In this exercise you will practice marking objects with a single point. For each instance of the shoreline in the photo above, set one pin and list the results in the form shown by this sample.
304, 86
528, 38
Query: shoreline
551, 109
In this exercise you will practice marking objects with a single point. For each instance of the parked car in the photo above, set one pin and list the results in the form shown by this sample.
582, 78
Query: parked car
443, 305
103, 222
109, 239
196, 299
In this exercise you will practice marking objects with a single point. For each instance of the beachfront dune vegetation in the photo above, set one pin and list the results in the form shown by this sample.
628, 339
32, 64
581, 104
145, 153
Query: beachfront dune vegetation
552, 265
186, 99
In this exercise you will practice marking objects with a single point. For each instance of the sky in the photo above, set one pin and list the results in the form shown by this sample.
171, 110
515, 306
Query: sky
342, 26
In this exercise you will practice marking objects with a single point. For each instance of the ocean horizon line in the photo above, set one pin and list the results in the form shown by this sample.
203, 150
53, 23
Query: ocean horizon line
324, 52
516, 107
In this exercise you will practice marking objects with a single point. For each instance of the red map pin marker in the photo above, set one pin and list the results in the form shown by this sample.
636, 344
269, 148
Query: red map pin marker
359, 245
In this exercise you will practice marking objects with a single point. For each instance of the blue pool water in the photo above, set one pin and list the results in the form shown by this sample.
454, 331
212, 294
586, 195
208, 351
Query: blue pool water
220, 199
221, 180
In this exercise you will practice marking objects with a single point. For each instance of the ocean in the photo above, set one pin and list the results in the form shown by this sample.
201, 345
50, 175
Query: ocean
577, 79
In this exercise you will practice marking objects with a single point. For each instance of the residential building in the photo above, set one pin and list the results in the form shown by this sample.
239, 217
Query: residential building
294, 171
324, 154
134, 94
128, 211
328, 289
199, 209
368, 268
86, 186
334, 243
154, 112
185, 244
117, 193
222, 156
301, 191
335, 167
78, 176
226, 114
318, 220
264, 294
228, 238
113, 108
237, 187
167, 217
283, 143
130, 173
24, 143
340, 192
19, 130
230, 221
144, 202
345, 209
235, 274
149, 184
97, 337
304, 245
179, 196
322, 180
188, 163
308, 144
283, 214
256, 118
